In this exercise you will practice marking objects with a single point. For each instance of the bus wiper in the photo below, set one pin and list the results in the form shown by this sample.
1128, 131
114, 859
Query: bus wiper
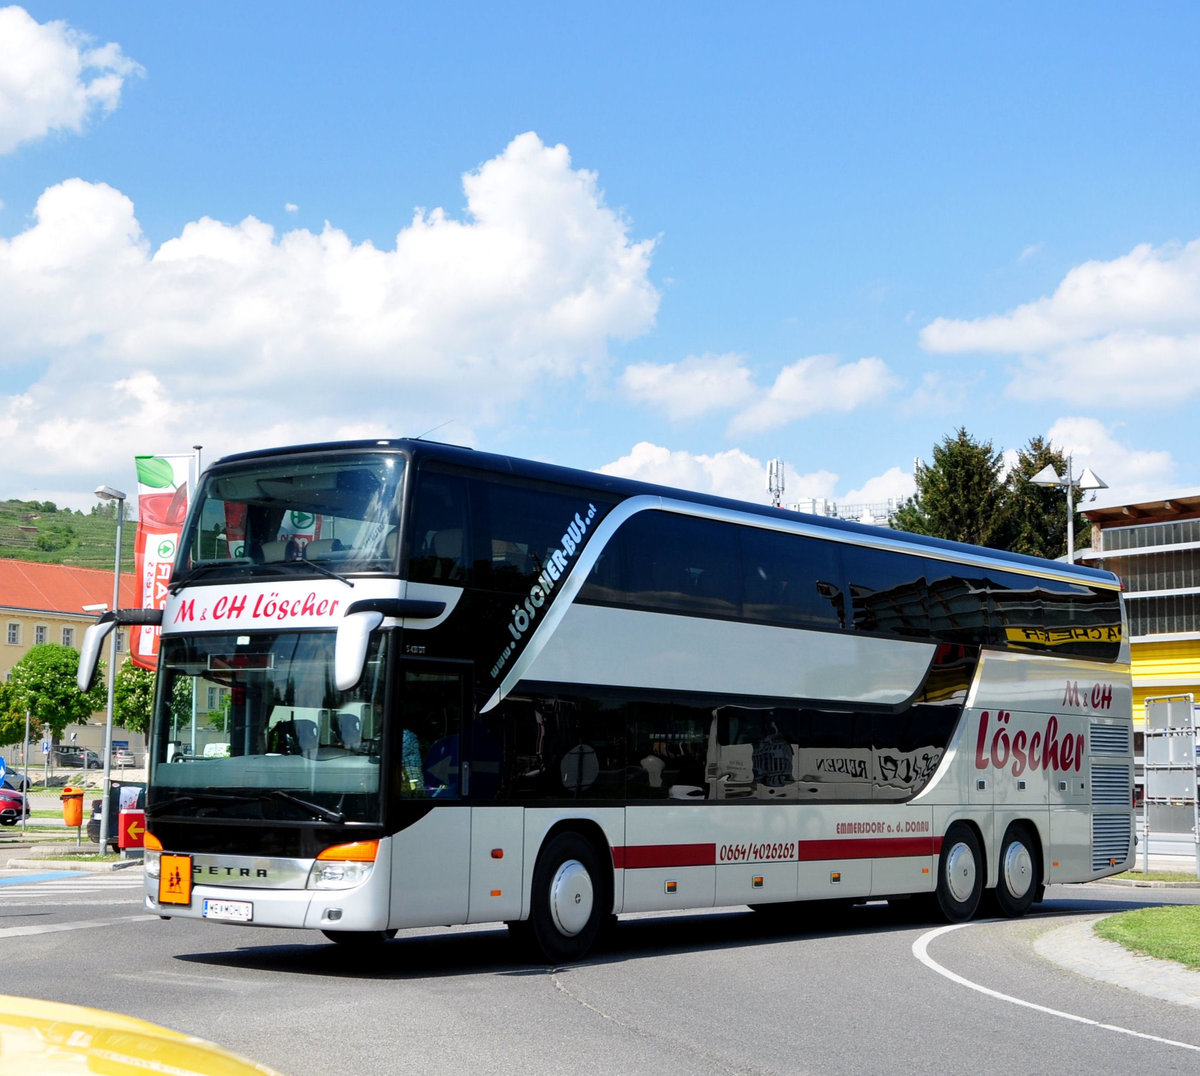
323, 813
197, 797
203, 568
320, 569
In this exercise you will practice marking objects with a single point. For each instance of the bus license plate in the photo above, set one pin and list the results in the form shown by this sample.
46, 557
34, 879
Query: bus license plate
235, 911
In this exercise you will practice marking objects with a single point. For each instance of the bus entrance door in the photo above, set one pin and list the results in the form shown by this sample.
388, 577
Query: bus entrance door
430, 864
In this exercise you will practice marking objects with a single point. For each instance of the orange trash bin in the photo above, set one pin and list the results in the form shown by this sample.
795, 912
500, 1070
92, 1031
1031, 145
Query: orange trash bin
72, 801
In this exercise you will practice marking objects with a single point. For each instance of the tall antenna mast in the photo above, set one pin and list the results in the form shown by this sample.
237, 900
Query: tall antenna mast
775, 481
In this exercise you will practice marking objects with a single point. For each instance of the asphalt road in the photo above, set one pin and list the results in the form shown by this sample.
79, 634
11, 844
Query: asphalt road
719, 992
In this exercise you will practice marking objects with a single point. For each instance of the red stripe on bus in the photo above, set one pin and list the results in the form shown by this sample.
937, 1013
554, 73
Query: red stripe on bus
632, 857
648, 856
870, 848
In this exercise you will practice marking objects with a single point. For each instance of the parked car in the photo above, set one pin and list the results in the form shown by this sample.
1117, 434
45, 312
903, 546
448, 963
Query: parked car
13, 807
77, 756
123, 757
16, 781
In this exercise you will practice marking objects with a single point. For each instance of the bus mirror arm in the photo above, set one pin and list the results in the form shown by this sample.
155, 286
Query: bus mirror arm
362, 618
93, 639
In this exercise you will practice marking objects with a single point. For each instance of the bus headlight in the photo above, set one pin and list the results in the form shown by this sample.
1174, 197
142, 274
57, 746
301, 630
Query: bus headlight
151, 850
343, 865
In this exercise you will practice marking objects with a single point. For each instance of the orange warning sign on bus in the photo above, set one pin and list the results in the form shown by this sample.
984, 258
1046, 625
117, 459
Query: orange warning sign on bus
175, 879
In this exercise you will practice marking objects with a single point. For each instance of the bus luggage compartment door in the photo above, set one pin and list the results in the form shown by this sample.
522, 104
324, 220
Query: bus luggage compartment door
497, 862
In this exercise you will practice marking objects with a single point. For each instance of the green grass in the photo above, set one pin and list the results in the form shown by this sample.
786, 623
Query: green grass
1171, 933
29, 530
1156, 876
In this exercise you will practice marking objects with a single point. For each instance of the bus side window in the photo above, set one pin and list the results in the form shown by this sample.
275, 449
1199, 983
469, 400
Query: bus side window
439, 524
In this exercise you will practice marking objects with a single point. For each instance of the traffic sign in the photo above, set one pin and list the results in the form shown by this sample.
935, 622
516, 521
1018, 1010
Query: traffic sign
132, 833
45, 747
2, 768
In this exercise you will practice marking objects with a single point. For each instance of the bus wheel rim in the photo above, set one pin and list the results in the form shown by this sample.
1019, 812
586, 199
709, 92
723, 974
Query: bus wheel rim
1018, 869
960, 872
571, 897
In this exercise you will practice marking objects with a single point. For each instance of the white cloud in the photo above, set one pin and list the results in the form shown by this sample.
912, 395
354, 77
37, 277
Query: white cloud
726, 474
51, 79
1132, 474
733, 474
813, 385
1126, 329
249, 335
893, 485
693, 387
701, 385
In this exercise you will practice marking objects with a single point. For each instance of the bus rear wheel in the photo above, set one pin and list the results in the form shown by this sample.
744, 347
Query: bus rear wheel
961, 873
570, 899
1017, 884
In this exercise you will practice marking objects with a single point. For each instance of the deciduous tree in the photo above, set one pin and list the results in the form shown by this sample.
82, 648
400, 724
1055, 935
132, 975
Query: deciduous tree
43, 682
133, 697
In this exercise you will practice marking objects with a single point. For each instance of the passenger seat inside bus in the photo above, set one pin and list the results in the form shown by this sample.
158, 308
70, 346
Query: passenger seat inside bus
349, 731
446, 548
322, 547
283, 549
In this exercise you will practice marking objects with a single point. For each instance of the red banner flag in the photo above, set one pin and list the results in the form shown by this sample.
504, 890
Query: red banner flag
162, 506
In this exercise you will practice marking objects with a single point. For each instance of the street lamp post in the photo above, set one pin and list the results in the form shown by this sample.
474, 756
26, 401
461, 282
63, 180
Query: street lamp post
1048, 476
107, 493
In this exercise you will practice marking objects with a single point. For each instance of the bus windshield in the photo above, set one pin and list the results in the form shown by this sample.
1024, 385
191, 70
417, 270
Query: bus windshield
251, 727
338, 509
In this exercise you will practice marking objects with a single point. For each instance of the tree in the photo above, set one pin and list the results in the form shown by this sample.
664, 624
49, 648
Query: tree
1037, 515
12, 717
960, 496
133, 697
43, 683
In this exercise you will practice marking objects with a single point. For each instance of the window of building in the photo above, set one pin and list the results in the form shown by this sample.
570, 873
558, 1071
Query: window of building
40, 634
14, 634
68, 636
120, 641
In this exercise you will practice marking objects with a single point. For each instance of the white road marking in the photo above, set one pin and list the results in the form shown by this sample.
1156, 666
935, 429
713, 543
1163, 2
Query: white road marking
920, 950
83, 924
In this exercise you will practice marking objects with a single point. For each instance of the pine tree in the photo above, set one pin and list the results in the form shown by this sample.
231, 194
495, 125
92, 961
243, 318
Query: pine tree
960, 496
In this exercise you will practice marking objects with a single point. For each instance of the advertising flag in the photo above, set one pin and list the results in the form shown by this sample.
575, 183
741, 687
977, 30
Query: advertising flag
162, 506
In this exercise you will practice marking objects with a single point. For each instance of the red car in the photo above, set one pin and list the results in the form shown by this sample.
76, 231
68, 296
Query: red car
13, 807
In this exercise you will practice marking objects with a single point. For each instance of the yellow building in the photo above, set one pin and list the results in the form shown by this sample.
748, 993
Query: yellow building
47, 603
1154, 546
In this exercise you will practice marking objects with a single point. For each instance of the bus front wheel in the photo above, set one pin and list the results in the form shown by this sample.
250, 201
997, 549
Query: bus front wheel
359, 940
961, 874
570, 899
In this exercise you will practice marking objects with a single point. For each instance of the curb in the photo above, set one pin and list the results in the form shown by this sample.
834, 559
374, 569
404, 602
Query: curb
66, 864
1135, 883
1078, 948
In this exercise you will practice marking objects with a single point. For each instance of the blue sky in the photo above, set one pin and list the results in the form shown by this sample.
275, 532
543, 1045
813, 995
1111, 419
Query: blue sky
672, 241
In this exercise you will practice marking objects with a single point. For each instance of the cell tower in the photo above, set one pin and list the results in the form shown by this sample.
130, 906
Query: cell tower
775, 481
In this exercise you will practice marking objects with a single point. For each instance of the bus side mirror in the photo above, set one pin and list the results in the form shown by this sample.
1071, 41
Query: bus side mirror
350, 648
94, 637
89, 652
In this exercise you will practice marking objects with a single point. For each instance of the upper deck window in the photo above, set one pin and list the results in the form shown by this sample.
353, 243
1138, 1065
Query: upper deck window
340, 510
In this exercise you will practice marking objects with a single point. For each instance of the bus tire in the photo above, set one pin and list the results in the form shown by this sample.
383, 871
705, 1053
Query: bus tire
1018, 878
359, 940
961, 874
570, 899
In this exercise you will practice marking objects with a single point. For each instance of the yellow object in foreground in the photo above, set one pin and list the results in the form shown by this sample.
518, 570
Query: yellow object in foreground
48, 1038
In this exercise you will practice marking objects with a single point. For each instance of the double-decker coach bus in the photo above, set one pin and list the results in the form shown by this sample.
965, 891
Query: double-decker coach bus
450, 687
